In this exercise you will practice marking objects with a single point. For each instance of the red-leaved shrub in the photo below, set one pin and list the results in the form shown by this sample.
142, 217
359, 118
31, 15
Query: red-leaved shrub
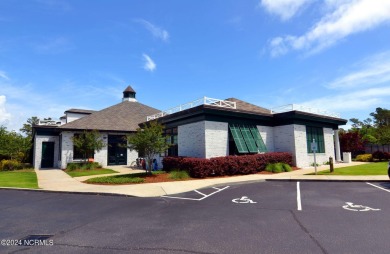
379, 155
229, 165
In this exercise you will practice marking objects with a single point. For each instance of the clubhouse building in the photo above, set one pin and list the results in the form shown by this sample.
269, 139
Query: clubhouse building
203, 128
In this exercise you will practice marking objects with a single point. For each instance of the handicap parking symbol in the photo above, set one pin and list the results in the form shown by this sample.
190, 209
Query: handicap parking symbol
243, 200
358, 208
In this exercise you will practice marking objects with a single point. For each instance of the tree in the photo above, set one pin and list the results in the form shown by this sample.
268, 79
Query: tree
27, 127
13, 145
381, 117
149, 141
383, 135
88, 142
351, 142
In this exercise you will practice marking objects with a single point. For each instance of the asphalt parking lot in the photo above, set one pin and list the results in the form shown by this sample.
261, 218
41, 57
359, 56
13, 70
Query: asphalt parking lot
261, 217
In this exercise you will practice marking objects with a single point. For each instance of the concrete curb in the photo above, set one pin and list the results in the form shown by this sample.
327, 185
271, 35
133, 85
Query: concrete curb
323, 180
72, 192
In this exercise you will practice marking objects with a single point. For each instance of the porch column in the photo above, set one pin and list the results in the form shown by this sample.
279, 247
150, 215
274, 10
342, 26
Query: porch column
337, 145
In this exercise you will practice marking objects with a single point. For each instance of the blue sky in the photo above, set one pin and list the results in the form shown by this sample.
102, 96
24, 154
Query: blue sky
55, 55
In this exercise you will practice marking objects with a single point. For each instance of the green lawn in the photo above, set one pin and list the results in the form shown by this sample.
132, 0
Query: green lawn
119, 179
80, 172
378, 168
19, 179
123, 179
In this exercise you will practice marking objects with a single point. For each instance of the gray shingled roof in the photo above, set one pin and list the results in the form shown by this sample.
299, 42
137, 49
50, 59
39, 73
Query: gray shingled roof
245, 106
124, 116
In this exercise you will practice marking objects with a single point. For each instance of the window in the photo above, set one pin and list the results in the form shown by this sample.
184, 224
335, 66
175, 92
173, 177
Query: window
78, 155
317, 134
247, 139
171, 138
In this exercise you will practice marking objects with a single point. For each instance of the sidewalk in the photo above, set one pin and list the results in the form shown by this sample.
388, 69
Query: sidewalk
57, 180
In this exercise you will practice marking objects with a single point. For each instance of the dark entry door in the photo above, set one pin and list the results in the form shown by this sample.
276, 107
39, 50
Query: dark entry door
47, 155
117, 151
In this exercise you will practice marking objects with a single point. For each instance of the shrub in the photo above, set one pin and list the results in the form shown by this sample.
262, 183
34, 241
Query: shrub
73, 166
171, 163
179, 175
278, 167
229, 165
9, 165
88, 166
364, 157
287, 168
83, 166
379, 155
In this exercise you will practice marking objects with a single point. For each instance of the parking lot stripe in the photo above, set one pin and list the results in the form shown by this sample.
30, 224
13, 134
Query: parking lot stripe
204, 195
198, 199
299, 204
378, 187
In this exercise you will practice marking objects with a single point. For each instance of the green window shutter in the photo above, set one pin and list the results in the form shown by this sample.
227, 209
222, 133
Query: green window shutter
249, 140
259, 141
238, 139
316, 133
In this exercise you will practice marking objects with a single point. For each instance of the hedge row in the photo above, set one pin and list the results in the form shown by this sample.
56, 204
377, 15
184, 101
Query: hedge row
379, 155
229, 165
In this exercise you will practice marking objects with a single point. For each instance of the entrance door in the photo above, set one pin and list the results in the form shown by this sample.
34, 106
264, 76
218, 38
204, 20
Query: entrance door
47, 155
117, 150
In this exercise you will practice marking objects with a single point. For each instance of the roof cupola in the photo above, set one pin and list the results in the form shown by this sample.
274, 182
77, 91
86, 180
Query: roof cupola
129, 94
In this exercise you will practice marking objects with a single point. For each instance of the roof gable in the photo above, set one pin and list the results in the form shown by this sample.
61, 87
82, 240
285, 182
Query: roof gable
248, 107
124, 116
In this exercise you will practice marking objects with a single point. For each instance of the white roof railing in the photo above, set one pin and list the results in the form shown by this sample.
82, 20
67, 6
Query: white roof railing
192, 104
49, 122
292, 107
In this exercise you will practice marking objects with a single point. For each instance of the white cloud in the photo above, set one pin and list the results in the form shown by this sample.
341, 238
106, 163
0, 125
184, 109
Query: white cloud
373, 71
4, 75
4, 115
149, 63
54, 46
156, 31
360, 100
342, 19
285, 9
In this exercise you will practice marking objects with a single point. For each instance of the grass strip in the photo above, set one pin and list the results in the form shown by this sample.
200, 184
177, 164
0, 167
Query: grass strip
19, 179
119, 179
81, 172
376, 168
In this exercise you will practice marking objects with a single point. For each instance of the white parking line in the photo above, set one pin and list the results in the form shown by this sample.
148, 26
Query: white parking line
378, 187
299, 203
199, 199
204, 195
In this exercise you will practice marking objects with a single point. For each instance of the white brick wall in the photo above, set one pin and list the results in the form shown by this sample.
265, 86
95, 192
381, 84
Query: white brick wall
292, 138
101, 156
67, 148
131, 156
301, 157
284, 139
70, 117
267, 134
217, 139
38, 140
191, 140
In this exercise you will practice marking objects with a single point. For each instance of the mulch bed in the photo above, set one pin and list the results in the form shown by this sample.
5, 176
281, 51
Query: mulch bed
164, 177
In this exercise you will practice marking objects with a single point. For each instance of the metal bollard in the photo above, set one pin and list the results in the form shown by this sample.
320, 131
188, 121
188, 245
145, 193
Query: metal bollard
331, 164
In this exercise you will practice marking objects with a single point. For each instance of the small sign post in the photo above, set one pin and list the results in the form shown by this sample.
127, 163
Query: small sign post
314, 150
